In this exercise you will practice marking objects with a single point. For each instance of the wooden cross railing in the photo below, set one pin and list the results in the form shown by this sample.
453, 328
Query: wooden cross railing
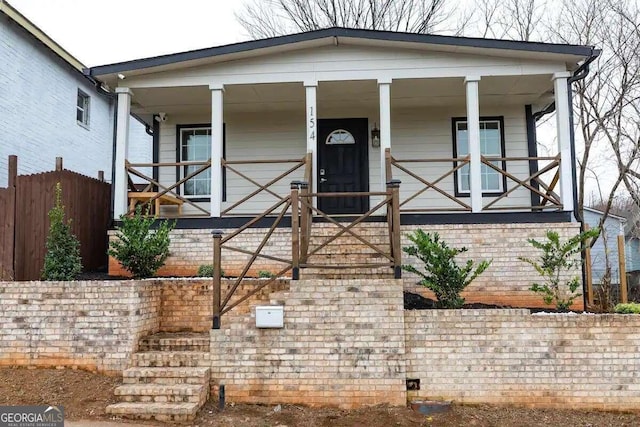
549, 199
233, 166
163, 189
300, 200
426, 184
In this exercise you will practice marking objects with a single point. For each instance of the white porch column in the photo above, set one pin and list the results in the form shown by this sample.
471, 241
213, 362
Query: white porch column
563, 110
384, 87
312, 130
473, 134
217, 135
123, 110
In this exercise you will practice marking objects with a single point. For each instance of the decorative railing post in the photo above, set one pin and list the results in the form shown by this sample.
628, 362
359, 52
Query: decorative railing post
305, 221
217, 277
394, 187
295, 231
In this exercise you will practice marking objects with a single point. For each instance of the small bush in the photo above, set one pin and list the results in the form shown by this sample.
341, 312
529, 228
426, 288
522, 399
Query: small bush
206, 270
443, 276
557, 258
629, 308
62, 260
264, 274
141, 250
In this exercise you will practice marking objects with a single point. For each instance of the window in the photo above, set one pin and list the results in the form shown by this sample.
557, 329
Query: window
340, 137
491, 145
195, 146
82, 109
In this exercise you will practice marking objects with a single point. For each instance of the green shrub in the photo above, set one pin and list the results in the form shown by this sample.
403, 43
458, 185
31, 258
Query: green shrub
141, 250
264, 274
62, 260
443, 275
206, 270
557, 258
629, 308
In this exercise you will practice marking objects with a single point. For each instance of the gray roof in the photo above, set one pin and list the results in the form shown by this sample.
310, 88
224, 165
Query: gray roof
427, 39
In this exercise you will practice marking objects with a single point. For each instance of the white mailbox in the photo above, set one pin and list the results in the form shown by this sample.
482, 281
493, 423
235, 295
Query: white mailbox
269, 316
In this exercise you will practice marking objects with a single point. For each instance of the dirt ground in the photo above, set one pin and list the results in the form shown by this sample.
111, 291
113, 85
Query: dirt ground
85, 395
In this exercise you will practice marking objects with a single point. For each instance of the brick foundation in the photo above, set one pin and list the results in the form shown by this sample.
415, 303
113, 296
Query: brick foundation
505, 282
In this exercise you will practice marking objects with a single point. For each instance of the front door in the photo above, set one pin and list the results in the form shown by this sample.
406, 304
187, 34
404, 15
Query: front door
342, 164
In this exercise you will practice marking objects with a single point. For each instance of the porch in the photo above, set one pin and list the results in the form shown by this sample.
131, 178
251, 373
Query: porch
457, 145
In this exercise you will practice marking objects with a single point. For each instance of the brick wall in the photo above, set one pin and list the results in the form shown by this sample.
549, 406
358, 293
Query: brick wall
89, 325
186, 304
505, 282
342, 345
514, 357
192, 248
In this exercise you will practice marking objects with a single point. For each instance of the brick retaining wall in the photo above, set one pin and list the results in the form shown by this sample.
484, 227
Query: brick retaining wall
345, 342
342, 345
514, 357
89, 325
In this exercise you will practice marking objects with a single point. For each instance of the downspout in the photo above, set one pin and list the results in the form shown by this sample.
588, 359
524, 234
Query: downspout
578, 75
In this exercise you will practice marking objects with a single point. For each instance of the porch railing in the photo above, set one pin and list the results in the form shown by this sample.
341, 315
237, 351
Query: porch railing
170, 190
301, 202
434, 185
233, 167
539, 185
534, 182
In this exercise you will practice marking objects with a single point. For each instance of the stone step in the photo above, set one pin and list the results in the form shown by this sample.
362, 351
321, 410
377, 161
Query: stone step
170, 359
199, 375
178, 341
174, 393
155, 411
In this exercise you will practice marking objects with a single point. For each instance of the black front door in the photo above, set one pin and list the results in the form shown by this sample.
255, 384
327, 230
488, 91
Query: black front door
342, 164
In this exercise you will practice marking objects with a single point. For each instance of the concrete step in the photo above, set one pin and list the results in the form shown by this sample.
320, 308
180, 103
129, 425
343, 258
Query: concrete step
170, 359
177, 341
163, 393
155, 411
199, 375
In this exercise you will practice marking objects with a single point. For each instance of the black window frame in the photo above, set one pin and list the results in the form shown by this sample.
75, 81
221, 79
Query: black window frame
503, 144
179, 176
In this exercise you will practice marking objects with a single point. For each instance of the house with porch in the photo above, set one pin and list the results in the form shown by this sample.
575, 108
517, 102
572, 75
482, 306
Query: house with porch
356, 137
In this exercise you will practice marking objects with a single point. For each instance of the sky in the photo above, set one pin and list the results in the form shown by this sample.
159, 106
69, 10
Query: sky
104, 32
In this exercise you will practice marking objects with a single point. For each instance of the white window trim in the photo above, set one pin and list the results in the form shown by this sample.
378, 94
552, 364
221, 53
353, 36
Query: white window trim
488, 192
181, 174
85, 109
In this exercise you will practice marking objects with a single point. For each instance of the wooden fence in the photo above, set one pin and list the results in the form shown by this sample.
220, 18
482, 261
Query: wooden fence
24, 221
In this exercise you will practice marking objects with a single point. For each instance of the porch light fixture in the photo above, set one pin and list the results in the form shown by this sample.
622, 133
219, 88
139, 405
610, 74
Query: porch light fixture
375, 136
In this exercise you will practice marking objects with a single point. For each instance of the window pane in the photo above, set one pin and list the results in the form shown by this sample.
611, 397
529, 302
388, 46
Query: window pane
464, 176
80, 116
196, 146
490, 145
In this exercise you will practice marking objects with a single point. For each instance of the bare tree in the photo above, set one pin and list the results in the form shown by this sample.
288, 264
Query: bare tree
269, 18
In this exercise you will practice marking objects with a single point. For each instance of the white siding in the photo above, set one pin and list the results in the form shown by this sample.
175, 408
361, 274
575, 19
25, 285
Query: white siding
333, 63
416, 133
38, 112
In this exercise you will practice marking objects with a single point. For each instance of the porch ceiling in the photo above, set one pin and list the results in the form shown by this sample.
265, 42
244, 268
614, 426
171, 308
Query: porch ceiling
409, 93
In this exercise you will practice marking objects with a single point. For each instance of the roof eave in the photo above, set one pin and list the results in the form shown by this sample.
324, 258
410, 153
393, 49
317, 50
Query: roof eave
159, 61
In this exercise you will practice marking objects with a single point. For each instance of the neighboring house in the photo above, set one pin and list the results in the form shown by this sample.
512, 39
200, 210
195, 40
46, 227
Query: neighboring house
453, 118
49, 109
614, 226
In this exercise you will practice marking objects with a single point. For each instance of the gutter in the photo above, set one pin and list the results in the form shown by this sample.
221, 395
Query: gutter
578, 75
